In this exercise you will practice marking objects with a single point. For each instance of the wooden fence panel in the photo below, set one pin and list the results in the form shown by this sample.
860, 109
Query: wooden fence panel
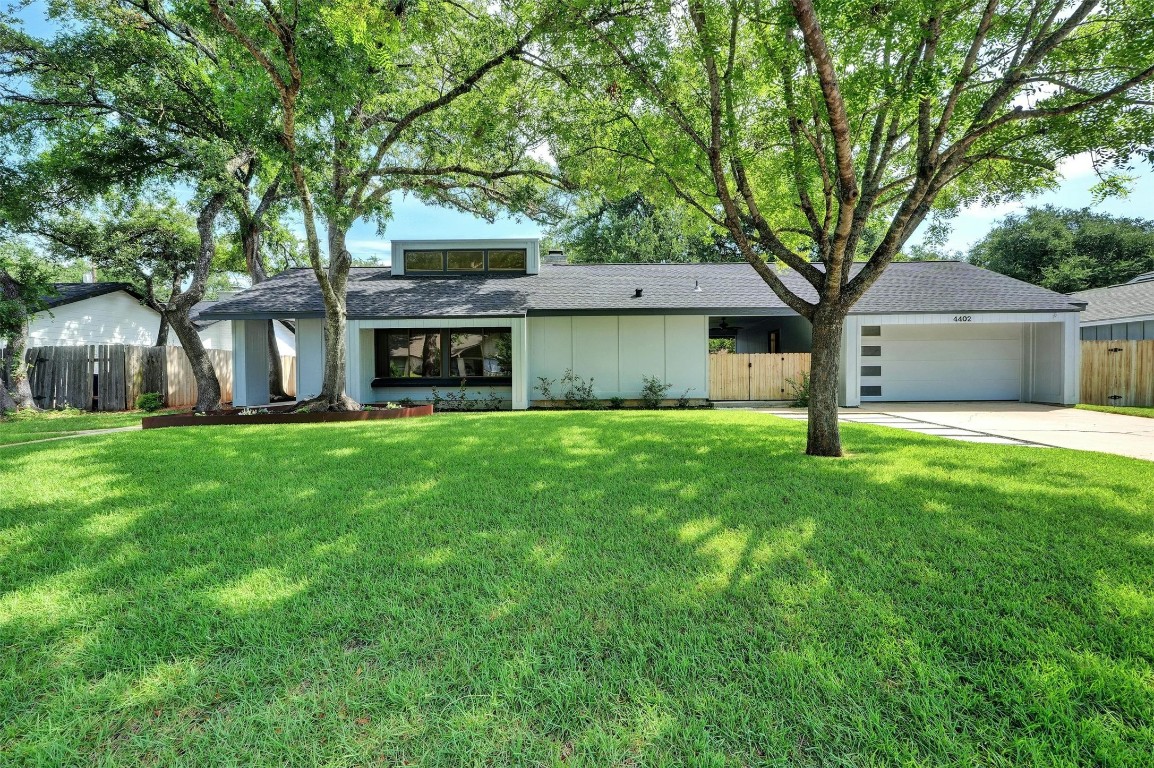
288, 374
1118, 372
146, 370
181, 389
758, 376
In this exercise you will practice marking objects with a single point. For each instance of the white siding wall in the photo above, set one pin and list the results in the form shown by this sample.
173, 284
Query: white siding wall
310, 351
114, 318
217, 335
618, 350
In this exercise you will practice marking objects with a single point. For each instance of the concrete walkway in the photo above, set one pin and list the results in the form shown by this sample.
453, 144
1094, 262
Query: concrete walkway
1029, 422
924, 427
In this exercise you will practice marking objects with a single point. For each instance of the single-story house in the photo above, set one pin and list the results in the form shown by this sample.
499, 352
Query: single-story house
494, 312
1119, 313
115, 313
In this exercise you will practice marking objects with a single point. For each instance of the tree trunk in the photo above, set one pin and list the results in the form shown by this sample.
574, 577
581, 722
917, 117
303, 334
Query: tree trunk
162, 332
207, 383
15, 388
276, 391
824, 437
179, 306
333, 396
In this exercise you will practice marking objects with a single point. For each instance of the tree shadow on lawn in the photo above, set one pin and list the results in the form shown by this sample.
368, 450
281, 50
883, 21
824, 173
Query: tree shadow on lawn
603, 588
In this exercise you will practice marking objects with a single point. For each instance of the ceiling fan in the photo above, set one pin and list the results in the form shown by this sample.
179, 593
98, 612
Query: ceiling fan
724, 330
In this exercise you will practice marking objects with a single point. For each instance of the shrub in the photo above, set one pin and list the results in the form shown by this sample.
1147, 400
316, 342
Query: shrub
722, 345
453, 401
683, 401
149, 402
545, 387
616, 403
653, 391
578, 392
408, 402
799, 391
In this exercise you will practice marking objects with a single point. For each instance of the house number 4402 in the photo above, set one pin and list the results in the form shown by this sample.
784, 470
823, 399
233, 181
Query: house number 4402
962, 318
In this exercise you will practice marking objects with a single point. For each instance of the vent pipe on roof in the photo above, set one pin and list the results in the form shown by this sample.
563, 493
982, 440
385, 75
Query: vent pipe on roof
696, 287
637, 293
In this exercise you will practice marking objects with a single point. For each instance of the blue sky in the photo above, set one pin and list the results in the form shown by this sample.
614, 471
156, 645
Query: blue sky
414, 220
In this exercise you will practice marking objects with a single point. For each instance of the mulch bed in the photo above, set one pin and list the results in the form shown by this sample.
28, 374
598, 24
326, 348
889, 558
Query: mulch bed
282, 416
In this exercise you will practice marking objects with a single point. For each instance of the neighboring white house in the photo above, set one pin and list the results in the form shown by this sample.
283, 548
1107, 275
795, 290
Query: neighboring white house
1120, 312
491, 312
115, 313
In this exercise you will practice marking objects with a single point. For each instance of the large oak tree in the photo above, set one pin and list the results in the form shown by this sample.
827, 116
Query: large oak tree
798, 127
377, 98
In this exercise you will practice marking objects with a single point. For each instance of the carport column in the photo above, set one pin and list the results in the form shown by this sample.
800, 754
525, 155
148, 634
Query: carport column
849, 372
250, 362
1071, 359
519, 330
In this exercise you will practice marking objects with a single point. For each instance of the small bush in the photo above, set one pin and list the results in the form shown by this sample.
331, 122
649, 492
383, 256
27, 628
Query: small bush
722, 346
149, 402
653, 391
545, 387
616, 403
799, 391
578, 392
683, 401
408, 402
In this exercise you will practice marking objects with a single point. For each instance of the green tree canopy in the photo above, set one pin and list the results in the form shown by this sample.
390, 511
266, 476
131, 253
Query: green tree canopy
635, 229
1067, 250
803, 128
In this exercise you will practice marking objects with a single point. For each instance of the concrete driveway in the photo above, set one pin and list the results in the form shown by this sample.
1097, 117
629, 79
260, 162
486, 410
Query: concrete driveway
1046, 424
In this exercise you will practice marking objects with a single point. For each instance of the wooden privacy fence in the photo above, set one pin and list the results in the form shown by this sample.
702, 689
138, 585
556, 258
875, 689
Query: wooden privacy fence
1118, 372
109, 377
758, 376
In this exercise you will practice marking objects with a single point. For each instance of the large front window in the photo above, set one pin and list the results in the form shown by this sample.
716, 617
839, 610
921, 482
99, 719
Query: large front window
429, 356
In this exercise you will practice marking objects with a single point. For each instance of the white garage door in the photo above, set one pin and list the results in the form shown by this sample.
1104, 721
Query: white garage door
956, 361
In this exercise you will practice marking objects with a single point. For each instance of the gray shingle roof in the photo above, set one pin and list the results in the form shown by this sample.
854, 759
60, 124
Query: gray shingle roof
67, 293
942, 286
1118, 302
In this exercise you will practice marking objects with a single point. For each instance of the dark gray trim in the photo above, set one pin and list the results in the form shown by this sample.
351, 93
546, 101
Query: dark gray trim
871, 370
871, 351
876, 313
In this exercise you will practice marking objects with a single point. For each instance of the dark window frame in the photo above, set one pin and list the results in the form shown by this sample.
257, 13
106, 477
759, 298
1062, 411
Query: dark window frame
446, 356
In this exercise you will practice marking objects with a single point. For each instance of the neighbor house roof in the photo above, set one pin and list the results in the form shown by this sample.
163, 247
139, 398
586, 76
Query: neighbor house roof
1118, 302
68, 293
942, 286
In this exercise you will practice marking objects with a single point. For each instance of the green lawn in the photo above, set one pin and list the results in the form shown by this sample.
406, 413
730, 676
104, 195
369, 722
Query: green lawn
1124, 410
23, 426
613, 588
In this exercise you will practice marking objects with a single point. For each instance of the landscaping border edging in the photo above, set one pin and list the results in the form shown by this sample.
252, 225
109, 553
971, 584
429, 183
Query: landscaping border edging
191, 420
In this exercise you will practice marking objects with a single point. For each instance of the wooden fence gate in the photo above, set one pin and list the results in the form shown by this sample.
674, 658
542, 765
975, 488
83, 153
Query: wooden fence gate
757, 376
1118, 372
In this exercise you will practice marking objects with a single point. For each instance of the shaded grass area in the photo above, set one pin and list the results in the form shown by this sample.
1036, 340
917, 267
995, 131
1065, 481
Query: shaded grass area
22, 426
1125, 410
627, 588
